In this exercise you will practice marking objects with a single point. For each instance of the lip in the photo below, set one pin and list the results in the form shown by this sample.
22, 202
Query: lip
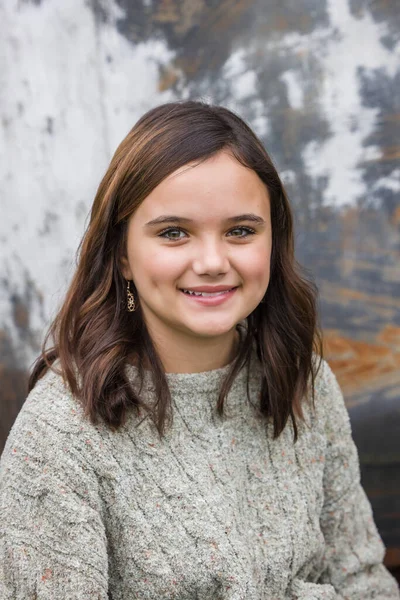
210, 300
209, 288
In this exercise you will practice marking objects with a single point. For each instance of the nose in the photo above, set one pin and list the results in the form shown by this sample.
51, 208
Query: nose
211, 258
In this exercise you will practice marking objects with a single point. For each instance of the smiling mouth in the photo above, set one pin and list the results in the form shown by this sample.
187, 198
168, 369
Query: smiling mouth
207, 294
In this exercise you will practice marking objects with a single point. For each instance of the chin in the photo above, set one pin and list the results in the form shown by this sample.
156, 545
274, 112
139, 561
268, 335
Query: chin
212, 329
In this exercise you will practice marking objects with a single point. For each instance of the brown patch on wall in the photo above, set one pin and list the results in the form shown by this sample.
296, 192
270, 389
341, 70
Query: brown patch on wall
391, 118
168, 78
342, 295
13, 388
184, 20
20, 314
396, 216
361, 366
229, 12
282, 22
13, 369
185, 15
390, 153
182, 15
392, 558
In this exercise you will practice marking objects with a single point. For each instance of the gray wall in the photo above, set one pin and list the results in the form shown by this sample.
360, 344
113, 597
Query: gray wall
318, 80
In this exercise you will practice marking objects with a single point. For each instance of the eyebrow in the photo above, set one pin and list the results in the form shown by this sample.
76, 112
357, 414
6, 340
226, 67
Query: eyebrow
175, 219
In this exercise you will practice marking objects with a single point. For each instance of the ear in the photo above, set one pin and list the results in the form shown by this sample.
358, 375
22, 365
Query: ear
125, 268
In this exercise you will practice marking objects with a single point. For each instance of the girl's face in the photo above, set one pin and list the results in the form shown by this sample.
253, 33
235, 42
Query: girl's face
205, 228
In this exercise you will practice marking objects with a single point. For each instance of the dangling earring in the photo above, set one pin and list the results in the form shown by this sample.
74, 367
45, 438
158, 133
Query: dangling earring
130, 299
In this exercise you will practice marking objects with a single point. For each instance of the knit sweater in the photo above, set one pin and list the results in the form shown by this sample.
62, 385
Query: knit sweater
215, 510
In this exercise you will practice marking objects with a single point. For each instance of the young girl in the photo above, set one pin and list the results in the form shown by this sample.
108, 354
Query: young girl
183, 438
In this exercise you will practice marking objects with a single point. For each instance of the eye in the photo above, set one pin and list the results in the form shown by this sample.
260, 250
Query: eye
173, 234
246, 230
170, 234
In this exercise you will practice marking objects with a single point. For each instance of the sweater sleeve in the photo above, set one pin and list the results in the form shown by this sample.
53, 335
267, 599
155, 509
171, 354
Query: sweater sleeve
52, 537
354, 552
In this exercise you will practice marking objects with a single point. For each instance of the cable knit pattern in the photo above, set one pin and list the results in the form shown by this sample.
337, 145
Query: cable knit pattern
215, 510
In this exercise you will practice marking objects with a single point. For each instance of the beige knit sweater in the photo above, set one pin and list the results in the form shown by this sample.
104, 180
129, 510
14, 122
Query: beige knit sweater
215, 510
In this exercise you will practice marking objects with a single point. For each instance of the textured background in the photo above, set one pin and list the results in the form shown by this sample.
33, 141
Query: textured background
318, 80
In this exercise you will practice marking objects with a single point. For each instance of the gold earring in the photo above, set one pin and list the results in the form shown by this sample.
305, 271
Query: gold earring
130, 299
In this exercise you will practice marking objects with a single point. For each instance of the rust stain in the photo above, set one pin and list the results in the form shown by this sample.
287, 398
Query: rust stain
390, 118
13, 387
183, 16
392, 557
390, 153
190, 14
330, 290
361, 365
225, 15
194, 18
167, 12
20, 314
189, 65
168, 79
391, 336
396, 216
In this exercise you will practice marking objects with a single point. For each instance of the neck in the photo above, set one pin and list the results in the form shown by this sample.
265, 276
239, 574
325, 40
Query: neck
198, 354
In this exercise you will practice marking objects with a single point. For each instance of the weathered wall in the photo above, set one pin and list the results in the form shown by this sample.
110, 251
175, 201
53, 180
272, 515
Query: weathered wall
318, 80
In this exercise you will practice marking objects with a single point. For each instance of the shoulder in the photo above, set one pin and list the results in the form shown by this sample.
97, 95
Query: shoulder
329, 405
325, 381
51, 401
50, 427
52, 398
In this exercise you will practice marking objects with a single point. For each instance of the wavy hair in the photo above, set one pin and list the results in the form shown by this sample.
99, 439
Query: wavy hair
93, 334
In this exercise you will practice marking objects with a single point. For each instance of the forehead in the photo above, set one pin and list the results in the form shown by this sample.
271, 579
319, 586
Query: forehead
211, 188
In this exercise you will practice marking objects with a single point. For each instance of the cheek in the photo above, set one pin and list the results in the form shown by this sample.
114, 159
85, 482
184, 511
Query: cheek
258, 272
255, 263
158, 265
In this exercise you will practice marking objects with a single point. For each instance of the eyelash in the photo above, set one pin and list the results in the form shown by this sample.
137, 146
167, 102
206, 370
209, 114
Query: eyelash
169, 229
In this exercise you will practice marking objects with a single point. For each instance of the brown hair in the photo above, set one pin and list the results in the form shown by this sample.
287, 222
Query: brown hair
94, 334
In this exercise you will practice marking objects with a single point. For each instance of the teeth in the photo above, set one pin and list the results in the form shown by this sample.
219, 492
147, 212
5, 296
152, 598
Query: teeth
205, 293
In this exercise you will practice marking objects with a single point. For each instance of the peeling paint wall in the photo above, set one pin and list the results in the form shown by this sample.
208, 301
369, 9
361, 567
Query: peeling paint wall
318, 81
